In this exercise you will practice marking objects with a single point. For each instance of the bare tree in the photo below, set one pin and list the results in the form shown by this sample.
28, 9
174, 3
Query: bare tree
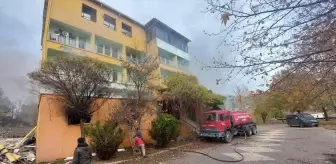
142, 74
78, 81
241, 97
265, 34
6, 106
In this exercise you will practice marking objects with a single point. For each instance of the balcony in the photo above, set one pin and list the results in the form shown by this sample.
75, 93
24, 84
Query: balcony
172, 49
68, 35
109, 48
167, 58
133, 55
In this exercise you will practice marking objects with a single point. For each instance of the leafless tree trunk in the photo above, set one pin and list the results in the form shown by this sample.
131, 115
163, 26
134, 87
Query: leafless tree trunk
326, 116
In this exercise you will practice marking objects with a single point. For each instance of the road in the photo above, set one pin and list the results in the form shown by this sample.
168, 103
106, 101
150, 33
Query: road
273, 144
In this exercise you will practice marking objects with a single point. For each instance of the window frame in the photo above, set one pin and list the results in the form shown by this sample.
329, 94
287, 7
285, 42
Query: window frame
123, 29
101, 47
81, 40
114, 74
107, 47
108, 24
114, 50
93, 19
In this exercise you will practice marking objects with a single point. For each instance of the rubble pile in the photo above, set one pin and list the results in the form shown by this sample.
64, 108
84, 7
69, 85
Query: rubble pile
12, 152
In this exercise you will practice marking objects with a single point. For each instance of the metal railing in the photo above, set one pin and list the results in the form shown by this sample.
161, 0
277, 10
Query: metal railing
67, 40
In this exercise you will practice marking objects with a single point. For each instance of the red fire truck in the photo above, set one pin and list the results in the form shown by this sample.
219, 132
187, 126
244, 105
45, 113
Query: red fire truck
224, 124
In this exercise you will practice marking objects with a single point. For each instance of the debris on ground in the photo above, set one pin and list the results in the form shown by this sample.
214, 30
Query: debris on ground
11, 152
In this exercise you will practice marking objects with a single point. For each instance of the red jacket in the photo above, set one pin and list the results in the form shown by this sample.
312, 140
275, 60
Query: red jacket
138, 141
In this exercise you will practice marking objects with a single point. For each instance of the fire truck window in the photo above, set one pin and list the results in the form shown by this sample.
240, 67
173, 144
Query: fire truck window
210, 117
223, 117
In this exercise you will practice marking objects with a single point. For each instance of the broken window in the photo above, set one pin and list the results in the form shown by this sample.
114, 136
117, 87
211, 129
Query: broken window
89, 13
74, 120
126, 29
109, 22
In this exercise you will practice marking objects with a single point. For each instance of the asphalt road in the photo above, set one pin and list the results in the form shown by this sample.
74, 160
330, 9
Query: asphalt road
273, 144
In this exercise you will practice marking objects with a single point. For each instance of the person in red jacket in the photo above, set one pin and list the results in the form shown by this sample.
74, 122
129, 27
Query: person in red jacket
140, 144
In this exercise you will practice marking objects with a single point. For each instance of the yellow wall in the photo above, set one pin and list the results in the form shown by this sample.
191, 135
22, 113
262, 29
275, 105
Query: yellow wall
56, 139
69, 12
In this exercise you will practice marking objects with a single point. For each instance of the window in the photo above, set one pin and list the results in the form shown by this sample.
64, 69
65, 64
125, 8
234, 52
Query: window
109, 22
100, 48
114, 76
89, 13
132, 58
72, 39
126, 29
114, 52
210, 117
224, 117
81, 42
165, 59
74, 120
107, 50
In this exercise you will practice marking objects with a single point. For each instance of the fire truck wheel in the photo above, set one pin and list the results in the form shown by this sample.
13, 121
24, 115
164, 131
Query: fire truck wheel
254, 130
248, 132
228, 136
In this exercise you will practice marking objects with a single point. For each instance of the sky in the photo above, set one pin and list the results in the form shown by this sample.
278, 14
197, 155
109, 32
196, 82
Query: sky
20, 33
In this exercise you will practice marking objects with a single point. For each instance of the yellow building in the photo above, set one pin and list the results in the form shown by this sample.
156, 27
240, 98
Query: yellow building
92, 28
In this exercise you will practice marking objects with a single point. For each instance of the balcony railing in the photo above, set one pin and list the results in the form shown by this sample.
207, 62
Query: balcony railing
167, 61
75, 41
108, 50
133, 60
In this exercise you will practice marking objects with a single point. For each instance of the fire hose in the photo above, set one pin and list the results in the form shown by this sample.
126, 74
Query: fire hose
217, 159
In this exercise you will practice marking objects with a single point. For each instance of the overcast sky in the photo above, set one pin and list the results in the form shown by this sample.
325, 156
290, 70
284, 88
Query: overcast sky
20, 33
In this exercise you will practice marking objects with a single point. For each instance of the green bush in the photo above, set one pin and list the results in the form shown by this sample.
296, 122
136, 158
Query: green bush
164, 129
104, 139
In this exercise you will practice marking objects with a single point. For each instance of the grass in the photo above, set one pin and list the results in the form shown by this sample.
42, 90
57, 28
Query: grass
331, 124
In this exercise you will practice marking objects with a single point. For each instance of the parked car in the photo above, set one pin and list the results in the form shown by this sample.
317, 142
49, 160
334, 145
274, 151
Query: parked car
301, 120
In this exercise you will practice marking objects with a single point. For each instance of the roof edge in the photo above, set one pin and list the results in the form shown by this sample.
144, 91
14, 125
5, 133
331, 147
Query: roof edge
156, 21
102, 4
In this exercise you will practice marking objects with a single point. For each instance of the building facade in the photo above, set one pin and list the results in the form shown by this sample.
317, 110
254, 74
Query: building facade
94, 29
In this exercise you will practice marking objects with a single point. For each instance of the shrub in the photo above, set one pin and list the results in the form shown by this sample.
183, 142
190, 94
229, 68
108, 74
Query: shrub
164, 129
104, 139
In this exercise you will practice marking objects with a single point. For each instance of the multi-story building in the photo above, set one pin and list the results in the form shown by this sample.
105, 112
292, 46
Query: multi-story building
92, 28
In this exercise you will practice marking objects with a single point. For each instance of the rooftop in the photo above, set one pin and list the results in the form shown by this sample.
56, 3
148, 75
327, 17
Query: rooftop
102, 4
155, 21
